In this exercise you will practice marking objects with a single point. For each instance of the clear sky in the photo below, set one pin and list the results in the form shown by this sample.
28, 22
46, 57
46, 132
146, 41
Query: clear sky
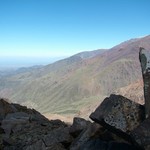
45, 29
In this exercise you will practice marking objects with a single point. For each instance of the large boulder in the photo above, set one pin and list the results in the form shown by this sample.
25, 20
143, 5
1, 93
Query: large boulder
119, 115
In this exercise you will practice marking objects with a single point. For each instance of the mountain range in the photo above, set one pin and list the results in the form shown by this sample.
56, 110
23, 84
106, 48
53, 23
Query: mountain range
80, 81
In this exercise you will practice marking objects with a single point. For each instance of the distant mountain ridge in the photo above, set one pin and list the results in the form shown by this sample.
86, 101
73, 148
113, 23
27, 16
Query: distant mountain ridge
68, 85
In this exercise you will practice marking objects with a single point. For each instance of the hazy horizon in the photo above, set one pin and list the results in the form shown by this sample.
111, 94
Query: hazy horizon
36, 32
19, 62
15, 62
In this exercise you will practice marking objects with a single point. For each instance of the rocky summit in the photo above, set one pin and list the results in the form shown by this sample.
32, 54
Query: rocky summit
26, 129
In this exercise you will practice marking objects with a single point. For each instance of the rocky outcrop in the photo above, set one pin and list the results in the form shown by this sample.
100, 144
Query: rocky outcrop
126, 118
119, 114
145, 65
26, 129
141, 134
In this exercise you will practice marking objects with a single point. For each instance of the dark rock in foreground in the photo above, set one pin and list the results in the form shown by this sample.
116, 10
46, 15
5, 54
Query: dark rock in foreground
119, 114
93, 130
26, 129
79, 124
142, 134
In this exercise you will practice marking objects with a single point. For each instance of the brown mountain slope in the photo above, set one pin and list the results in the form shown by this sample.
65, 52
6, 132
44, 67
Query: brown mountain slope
133, 91
65, 87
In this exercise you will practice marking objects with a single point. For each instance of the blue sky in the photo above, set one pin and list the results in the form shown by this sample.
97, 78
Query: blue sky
44, 29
